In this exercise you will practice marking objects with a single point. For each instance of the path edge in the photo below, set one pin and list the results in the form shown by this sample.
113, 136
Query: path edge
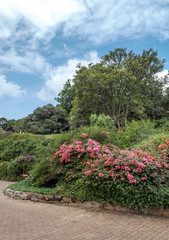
36, 197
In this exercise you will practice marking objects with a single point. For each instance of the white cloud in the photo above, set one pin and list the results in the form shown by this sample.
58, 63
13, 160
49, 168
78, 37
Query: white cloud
61, 74
112, 20
96, 20
29, 62
40, 17
162, 74
9, 88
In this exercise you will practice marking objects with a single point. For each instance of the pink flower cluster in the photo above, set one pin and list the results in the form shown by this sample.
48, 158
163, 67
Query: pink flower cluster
159, 150
84, 135
27, 158
91, 149
110, 162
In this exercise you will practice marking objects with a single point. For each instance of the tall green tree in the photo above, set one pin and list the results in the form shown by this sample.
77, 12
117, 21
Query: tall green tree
19, 125
119, 86
66, 96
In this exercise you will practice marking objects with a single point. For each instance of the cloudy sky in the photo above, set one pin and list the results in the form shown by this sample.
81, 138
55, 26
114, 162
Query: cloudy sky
42, 41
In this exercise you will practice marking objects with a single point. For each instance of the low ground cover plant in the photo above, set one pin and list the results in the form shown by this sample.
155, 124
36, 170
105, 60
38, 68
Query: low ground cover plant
27, 186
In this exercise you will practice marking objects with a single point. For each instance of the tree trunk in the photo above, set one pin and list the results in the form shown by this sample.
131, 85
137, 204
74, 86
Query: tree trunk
116, 121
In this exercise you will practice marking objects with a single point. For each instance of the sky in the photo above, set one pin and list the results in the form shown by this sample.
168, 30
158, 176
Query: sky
42, 41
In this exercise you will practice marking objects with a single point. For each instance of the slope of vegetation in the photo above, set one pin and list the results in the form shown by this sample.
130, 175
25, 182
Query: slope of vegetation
113, 141
72, 164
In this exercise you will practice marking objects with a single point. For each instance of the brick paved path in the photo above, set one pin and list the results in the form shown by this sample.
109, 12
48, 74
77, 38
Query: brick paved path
24, 220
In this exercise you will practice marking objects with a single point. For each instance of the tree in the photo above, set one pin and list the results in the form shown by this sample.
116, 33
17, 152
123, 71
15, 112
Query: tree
4, 123
119, 86
19, 125
66, 96
46, 120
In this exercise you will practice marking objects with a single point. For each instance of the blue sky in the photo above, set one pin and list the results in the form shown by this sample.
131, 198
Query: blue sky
42, 41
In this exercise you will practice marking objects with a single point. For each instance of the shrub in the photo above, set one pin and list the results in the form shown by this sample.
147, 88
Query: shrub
61, 168
159, 147
21, 165
134, 132
162, 123
107, 174
17, 145
4, 170
102, 121
100, 135
43, 174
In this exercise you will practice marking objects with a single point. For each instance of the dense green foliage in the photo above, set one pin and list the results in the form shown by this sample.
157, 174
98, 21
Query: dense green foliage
4, 123
15, 154
46, 120
124, 85
102, 121
14, 146
66, 96
21, 166
19, 125
88, 170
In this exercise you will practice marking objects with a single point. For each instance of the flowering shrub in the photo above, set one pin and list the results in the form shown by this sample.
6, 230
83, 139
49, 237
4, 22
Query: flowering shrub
21, 166
158, 147
106, 173
84, 135
108, 160
28, 158
71, 159
133, 167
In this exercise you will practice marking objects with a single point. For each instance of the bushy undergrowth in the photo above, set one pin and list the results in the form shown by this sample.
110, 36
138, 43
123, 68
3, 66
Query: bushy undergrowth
15, 154
17, 145
106, 169
20, 166
4, 170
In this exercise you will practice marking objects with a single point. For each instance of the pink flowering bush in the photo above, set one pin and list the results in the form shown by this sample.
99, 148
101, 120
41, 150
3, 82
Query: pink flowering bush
133, 167
158, 147
71, 160
105, 173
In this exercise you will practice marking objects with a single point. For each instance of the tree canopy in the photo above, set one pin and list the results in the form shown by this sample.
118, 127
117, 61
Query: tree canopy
4, 123
46, 120
66, 96
123, 85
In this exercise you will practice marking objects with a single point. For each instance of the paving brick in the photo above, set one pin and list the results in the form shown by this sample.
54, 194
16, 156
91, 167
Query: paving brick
25, 220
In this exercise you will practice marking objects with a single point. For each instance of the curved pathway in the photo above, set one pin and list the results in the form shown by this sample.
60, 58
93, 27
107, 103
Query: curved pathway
24, 220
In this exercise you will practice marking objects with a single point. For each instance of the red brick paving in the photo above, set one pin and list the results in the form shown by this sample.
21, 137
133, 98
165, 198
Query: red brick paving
24, 220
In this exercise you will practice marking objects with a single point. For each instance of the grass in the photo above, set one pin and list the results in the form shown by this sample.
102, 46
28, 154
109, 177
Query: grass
52, 135
26, 186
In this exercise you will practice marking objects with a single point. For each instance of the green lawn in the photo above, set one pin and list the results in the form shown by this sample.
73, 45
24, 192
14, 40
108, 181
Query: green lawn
26, 186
